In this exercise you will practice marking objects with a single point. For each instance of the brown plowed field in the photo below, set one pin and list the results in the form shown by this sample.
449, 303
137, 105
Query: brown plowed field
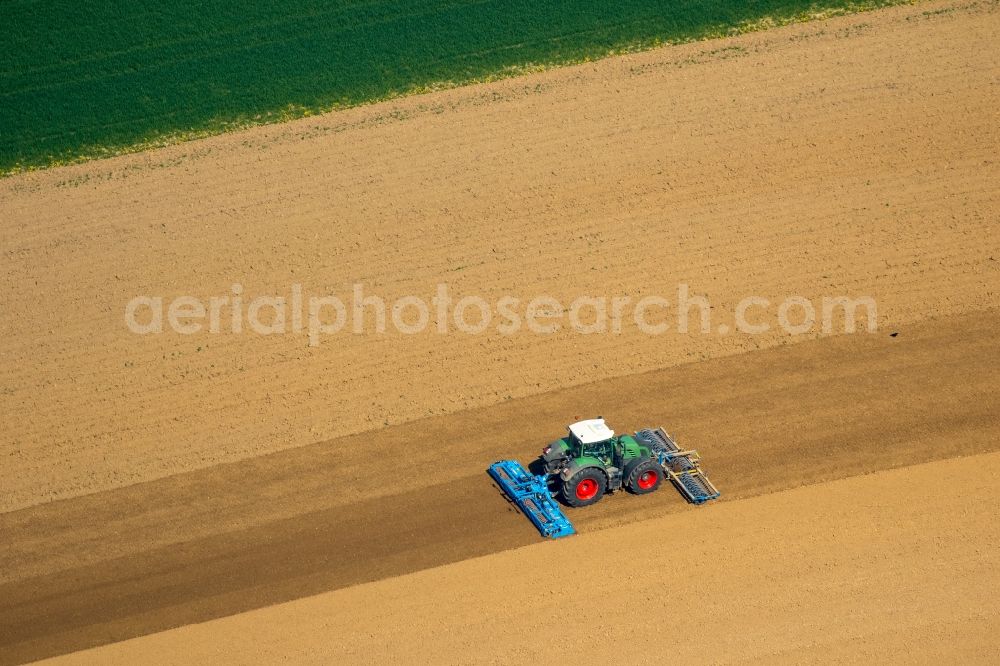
234, 537
855, 157
849, 571
151, 482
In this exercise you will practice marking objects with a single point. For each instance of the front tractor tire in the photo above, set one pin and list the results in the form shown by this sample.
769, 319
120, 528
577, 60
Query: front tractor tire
585, 487
645, 477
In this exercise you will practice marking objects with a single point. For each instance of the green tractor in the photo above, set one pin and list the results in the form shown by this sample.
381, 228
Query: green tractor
591, 461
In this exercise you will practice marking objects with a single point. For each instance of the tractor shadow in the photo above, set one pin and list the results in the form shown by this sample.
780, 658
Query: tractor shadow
537, 467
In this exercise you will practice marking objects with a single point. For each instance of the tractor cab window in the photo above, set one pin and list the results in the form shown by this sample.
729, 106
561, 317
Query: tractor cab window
599, 450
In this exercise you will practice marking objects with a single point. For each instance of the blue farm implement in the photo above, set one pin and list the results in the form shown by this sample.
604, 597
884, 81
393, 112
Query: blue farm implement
531, 494
591, 461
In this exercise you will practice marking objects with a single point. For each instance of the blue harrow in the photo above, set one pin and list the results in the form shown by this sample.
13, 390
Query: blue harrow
531, 494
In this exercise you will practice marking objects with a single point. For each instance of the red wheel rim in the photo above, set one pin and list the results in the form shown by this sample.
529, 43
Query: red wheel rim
586, 489
647, 480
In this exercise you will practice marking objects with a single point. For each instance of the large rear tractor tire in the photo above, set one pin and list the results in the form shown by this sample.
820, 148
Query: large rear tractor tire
585, 487
645, 477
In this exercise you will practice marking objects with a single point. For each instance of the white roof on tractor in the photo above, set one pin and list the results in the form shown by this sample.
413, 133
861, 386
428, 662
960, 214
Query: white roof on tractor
591, 431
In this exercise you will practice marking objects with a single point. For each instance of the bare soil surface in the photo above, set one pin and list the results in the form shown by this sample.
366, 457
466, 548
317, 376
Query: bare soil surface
153, 482
214, 542
894, 567
853, 157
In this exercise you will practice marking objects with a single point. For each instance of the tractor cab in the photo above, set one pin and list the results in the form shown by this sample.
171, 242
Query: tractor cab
586, 439
593, 438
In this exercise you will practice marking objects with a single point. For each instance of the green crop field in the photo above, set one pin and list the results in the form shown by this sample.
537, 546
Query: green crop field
90, 79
